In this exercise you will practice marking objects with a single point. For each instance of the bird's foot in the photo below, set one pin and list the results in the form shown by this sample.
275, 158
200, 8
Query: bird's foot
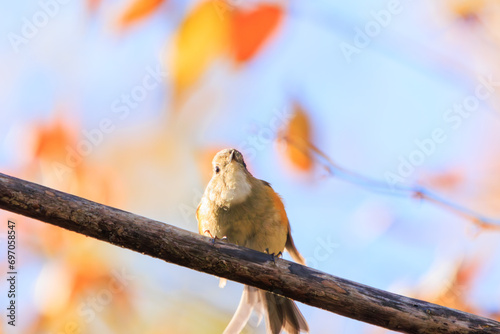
274, 255
214, 238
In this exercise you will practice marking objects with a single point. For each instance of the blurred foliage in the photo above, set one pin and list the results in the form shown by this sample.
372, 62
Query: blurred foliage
210, 32
138, 10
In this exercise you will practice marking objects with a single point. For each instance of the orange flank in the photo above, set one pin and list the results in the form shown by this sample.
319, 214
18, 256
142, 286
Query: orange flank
278, 204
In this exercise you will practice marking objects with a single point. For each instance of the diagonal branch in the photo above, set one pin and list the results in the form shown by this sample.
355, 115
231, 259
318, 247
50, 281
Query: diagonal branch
243, 265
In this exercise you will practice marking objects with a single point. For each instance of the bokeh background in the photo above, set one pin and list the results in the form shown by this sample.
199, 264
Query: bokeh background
125, 103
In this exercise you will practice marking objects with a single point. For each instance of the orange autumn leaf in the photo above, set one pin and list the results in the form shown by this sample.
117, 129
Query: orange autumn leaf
138, 10
467, 10
200, 39
93, 5
453, 293
298, 134
52, 138
445, 180
251, 29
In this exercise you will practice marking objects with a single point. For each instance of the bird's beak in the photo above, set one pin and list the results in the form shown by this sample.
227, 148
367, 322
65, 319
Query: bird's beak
231, 157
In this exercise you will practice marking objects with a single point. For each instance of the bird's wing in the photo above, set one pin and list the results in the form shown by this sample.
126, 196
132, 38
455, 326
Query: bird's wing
278, 204
290, 245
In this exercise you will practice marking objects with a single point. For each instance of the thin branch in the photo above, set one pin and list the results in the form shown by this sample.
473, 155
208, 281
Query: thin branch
240, 264
419, 192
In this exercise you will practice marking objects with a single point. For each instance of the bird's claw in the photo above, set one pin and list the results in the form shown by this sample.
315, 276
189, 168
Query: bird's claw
214, 238
273, 255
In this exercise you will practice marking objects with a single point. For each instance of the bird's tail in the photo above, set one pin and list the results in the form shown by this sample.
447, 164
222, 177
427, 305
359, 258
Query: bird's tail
290, 248
281, 313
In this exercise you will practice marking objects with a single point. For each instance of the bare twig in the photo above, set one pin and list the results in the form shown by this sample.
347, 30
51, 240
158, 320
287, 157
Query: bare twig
240, 264
379, 186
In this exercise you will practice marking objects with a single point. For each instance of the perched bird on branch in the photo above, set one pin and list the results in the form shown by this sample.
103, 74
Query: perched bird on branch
246, 211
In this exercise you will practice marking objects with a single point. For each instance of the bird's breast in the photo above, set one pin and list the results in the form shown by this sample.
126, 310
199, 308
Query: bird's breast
234, 189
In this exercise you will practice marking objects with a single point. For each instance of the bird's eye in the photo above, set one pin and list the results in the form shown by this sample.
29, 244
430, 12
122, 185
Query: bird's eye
217, 169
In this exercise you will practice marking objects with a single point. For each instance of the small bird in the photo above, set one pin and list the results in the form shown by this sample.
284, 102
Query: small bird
246, 211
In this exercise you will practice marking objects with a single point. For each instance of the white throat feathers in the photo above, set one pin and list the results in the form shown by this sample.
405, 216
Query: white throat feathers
234, 190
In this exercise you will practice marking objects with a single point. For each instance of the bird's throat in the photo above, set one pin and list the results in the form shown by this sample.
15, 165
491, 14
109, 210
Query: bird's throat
236, 188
